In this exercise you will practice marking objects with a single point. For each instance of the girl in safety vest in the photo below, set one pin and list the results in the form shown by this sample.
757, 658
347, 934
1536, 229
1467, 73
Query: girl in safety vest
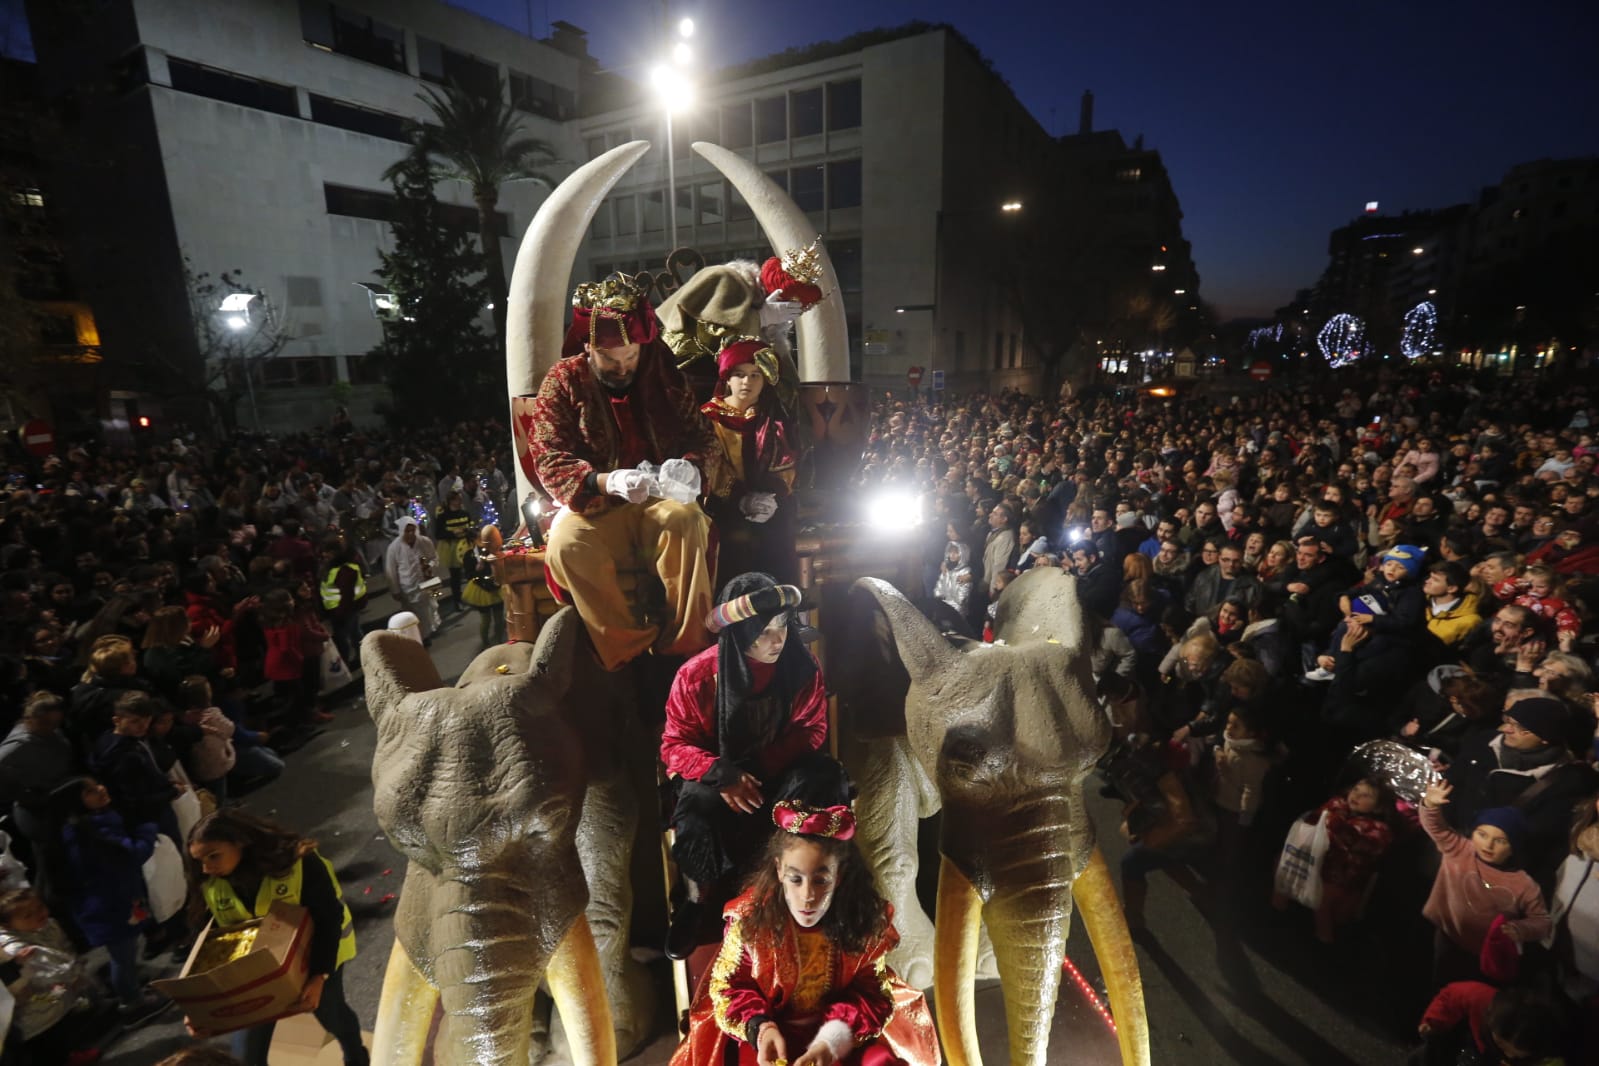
247, 865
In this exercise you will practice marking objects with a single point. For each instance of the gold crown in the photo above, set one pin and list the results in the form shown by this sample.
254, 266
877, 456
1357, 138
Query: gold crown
804, 264
617, 293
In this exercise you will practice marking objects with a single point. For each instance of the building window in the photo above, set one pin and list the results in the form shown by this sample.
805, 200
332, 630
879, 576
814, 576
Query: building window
304, 290
713, 211
1015, 347
780, 177
737, 131
329, 112
805, 185
805, 113
738, 208
771, 120
960, 346
539, 97
602, 220
617, 138
298, 372
364, 369
844, 104
626, 216
999, 351
384, 207
846, 257
333, 28
844, 184
654, 210
232, 88
684, 195
445, 66
595, 146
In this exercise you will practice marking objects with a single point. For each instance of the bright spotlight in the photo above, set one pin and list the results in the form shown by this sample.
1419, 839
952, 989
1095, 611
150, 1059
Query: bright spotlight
237, 322
1011, 206
685, 27
682, 54
893, 510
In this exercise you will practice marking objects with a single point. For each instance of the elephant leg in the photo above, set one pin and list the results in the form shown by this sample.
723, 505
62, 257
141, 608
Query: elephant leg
405, 1013
604, 840
895, 794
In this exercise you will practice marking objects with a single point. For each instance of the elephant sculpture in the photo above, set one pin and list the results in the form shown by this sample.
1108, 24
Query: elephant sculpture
514, 795
1001, 737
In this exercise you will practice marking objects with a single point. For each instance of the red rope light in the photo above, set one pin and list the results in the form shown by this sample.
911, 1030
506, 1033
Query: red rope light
1089, 994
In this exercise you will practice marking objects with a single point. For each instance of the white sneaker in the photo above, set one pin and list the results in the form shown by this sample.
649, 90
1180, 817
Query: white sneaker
1321, 673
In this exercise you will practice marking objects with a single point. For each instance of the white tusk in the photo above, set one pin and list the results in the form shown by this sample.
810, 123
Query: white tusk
823, 335
541, 280
578, 988
1106, 923
405, 1013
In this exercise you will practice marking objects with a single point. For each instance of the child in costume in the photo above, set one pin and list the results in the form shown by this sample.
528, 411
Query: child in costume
801, 977
745, 724
1360, 830
482, 592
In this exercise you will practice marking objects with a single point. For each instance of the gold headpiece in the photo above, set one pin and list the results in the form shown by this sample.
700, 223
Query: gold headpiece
617, 293
804, 264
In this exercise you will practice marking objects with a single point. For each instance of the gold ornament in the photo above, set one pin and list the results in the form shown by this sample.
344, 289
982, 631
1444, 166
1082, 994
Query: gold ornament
804, 264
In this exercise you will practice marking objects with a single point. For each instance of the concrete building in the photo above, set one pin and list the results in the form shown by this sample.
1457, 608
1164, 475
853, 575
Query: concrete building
252, 137
902, 146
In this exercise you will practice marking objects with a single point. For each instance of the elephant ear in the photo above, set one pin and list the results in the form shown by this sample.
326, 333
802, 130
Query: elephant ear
562, 640
395, 667
889, 642
1042, 606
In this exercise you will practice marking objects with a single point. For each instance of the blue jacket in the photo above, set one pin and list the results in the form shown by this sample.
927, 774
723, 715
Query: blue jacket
107, 864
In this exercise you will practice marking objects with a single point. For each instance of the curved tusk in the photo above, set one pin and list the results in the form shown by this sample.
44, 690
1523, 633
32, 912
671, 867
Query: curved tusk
955, 928
535, 318
1106, 923
578, 987
405, 1013
823, 335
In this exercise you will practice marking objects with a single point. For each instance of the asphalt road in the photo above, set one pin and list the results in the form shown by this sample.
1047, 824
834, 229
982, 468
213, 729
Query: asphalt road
1253, 990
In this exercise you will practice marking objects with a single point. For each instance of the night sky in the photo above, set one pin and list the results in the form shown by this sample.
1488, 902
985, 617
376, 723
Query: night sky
1277, 121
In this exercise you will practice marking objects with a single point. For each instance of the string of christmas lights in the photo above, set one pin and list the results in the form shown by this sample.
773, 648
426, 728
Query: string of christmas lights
491, 514
1089, 993
1342, 340
1421, 331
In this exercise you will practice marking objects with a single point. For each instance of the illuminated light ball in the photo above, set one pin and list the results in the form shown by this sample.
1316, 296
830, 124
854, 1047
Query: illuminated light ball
1342, 340
1420, 335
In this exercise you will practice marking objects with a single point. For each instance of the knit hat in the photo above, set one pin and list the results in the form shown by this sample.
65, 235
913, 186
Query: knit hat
1407, 555
1507, 820
1543, 716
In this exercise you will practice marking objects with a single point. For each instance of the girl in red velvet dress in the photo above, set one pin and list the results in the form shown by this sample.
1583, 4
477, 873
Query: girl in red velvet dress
801, 977
749, 475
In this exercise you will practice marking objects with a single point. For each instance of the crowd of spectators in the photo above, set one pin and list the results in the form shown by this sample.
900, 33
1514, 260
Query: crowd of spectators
169, 620
1283, 577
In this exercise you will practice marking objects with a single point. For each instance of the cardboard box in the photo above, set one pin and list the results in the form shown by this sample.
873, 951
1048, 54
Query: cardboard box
298, 1040
261, 986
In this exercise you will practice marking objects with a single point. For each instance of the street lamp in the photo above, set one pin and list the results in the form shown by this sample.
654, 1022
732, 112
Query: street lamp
675, 93
1011, 206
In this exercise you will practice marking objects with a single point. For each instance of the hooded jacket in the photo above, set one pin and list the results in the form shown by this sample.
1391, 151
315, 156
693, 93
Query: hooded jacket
949, 587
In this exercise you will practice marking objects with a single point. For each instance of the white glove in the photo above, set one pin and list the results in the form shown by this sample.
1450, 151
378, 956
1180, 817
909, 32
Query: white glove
679, 480
630, 485
758, 506
779, 312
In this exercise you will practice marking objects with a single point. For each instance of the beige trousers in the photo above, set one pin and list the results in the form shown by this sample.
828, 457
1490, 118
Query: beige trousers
663, 535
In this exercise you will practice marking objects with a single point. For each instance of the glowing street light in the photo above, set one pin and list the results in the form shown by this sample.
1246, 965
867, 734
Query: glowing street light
675, 93
1010, 207
1158, 267
1418, 250
682, 54
237, 322
685, 28
1179, 292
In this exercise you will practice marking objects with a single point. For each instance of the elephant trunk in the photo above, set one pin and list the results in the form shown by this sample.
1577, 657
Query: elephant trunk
1028, 919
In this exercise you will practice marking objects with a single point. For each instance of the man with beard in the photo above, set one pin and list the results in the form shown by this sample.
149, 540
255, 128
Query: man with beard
1312, 586
1425, 525
612, 402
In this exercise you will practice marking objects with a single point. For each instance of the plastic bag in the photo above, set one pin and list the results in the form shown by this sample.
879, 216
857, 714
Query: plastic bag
1299, 867
164, 884
335, 673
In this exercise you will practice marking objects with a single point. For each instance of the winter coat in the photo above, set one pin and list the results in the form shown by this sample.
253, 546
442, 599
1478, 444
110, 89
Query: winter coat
285, 651
1452, 625
106, 886
1468, 893
950, 587
211, 756
1481, 781
1241, 767
127, 767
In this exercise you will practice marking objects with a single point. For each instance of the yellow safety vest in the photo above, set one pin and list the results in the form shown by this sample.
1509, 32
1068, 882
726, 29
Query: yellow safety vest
330, 587
228, 909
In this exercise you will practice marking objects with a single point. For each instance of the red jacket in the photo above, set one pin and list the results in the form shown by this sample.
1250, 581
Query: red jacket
688, 744
285, 652
203, 615
1461, 1001
574, 432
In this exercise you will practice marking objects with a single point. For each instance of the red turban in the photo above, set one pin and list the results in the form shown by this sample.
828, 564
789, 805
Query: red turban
774, 278
609, 314
835, 823
744, 350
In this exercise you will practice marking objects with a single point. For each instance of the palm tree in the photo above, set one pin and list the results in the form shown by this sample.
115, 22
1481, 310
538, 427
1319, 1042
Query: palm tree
479, 140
